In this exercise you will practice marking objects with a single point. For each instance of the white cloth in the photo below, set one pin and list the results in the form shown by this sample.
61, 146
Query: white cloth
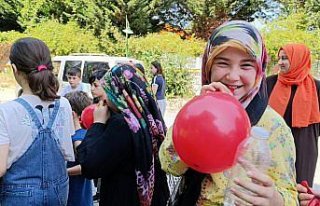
81, 87
162, 106
17, 128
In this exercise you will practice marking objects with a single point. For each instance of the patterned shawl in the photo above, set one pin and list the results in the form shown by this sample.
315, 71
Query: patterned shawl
243, 33
128, 90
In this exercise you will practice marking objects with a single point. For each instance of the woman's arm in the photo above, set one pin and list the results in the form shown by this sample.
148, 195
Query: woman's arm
4, 151
154, 88
280, 179
105, 147
278, 186
76, 144
154, 85
283, 171
76, 170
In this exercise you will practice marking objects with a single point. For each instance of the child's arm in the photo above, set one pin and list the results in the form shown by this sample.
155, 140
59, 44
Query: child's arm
76, 170
4, 146
4, 151
76, 144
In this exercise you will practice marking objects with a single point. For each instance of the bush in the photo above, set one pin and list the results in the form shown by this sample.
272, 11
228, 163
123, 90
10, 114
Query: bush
291, 29
62, 39
179, 82
156, 45
173, 53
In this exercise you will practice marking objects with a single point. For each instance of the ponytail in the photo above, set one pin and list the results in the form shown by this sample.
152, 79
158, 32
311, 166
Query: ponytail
32, 56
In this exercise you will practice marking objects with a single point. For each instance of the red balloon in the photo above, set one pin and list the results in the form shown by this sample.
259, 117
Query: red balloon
208, 130
87, 116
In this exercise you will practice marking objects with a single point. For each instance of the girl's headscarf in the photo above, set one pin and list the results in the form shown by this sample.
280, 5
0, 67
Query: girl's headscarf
127, 89
305, 106
247, 36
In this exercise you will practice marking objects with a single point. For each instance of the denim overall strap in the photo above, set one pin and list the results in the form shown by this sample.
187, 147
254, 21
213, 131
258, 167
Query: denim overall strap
30, 110
54, 114
39, 176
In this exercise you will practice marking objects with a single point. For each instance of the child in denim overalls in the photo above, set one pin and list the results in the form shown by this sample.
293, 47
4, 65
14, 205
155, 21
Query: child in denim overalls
35, 132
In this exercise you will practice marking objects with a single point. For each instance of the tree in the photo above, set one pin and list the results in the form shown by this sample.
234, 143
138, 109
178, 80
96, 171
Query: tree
205, 15
36, 11
9, 12
290, 29
63, 39
312, 8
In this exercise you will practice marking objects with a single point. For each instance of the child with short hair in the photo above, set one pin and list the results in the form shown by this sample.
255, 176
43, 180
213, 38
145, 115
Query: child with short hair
97, 90
75, 82
80, 188
98, 94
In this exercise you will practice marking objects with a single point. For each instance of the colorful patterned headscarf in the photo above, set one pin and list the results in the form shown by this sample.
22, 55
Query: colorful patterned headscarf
128, 90
246, 35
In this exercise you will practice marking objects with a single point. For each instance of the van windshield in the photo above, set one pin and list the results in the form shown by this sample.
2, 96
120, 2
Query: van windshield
90, 66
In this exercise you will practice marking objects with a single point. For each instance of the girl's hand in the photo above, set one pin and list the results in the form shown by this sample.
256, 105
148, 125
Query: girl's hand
215, 87
101, 113
263, 191
304, 196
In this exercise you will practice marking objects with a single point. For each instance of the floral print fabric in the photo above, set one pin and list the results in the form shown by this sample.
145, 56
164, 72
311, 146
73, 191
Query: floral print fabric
282, 169
128, 90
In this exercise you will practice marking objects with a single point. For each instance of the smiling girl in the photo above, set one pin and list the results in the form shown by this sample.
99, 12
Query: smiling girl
234, 62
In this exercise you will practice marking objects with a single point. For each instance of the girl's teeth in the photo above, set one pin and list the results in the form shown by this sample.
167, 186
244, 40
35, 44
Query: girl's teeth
233, 87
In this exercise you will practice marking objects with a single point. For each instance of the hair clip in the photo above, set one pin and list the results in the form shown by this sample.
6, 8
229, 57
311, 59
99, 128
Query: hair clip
41, 67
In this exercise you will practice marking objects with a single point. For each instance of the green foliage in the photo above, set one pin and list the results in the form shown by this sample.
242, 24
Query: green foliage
105, 18
9, 12
178, 82
36, 11
61, 39
206, 15
173, 53
156, 45
95, 15
64, 39
312, 8
10, 36
292, 29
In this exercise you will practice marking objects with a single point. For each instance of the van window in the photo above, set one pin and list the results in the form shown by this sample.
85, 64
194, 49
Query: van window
90, 66
68, 65
56, 67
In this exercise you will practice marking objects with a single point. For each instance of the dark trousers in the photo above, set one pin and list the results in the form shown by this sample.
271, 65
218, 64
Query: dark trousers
307, 154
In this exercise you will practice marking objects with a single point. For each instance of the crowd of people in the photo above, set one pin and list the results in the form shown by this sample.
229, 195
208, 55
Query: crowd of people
128, 150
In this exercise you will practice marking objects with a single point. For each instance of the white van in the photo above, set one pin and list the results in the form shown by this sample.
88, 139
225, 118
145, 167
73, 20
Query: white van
87, 63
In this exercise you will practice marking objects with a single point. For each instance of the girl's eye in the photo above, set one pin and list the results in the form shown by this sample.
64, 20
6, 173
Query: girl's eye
283, 58
247, 66
222, 64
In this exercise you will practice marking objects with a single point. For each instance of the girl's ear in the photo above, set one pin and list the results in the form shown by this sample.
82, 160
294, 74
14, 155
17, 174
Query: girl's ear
74, 115
14, 68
